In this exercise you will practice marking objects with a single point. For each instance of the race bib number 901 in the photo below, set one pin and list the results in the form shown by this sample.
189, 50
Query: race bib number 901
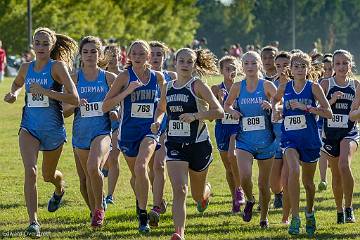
178, 128
93, 109
295, 122
338, 121
253, 123
142, 110
37, 100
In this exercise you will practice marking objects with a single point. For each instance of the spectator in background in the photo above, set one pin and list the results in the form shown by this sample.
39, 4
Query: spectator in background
169, 63
250, 47
2, 62
275, 44
203, 43
123, 56
238, 51
195, 44
29, 55
232, 51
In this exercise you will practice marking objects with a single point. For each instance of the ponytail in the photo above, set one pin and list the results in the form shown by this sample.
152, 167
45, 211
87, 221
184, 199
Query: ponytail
64, 48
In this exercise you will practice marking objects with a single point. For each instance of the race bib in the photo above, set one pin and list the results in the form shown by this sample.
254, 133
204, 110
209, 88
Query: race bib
142, 110
93, 109
228, 119
295, 122
338, 121
179, 129
253, 123
37, 100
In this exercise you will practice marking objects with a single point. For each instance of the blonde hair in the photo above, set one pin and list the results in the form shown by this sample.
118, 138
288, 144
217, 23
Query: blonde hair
143, 43
64, 46
313, 73
205, 60
233, 59
257, 58
165, 49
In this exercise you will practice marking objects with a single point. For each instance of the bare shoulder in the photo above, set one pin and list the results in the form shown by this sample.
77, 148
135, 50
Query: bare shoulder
59, 65
110, 76
24, 67
173, 75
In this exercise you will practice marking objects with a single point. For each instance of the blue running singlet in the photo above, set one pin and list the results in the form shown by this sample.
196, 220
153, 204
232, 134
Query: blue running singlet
255, 124
137, 109
225, 127
299, 128
41, 112
89, 120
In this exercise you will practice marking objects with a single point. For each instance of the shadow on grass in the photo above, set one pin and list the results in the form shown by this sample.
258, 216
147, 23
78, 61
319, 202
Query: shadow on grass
9, 206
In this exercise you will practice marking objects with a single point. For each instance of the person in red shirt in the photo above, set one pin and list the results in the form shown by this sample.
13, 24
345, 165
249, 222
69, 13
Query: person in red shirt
2, 62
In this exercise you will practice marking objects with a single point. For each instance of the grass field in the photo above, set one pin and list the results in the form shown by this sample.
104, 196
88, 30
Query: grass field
72, 220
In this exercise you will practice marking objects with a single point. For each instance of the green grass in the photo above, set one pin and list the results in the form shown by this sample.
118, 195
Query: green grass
72, 220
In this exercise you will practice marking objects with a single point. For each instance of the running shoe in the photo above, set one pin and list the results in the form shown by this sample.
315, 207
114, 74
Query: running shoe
238, 201
264, 224
105, 172
163, 206
176, 236
247, 214
33, 230
340, 218
98, 218
310, 224
240, 196
154, 216
294, 228
203, 204
349, 215
278, 200
54, 202
235, 206
322, 186
143, 223
109, 199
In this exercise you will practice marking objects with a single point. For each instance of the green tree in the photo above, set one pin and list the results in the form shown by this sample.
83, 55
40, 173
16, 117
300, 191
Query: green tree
171, 21
174, 22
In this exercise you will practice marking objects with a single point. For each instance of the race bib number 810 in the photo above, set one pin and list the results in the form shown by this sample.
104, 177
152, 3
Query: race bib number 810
93, 109
142, 110
37, 100
295, 122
